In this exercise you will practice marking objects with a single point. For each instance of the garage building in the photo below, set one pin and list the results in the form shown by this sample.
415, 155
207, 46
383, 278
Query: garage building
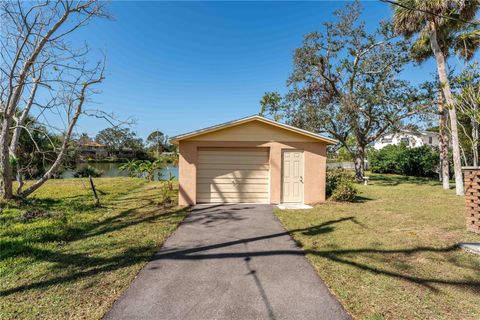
252, 160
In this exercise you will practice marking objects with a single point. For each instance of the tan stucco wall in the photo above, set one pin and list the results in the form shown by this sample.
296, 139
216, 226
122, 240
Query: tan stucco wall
252, 131
315, 158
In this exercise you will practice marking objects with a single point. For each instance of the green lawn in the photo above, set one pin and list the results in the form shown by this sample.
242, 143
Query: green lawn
74, 260
392, 254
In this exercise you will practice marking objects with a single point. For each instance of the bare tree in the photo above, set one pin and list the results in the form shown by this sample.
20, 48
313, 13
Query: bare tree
42, 75
467, 103
74, 99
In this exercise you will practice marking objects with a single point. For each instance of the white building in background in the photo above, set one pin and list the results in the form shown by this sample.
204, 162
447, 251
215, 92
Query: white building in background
410, 138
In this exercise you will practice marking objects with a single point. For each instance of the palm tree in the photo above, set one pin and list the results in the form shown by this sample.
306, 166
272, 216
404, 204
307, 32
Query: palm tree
465, 40
440, 23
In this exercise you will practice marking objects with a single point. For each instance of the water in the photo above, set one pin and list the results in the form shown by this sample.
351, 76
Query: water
110, 169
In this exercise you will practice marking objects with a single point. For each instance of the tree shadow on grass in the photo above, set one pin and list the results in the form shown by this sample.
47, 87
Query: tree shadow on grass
395, 180
345, 257
90, 266
47, 203
340, 256
87, 266
84, 265
323, 228
361, 199
69, 233
96, 265
61, 211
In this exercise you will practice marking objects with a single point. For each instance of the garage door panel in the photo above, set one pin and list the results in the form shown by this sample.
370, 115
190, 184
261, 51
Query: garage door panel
241, 166
232, 160
236, 151
220, 180
222, 188
233, 175
239, 154
231, 195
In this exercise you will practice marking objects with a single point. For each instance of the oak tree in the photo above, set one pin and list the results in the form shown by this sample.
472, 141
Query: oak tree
347, 82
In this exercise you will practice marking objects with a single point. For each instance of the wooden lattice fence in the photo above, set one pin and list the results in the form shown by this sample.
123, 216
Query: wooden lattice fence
472, 198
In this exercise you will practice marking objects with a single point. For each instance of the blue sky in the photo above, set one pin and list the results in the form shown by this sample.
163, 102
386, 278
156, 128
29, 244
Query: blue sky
179, 66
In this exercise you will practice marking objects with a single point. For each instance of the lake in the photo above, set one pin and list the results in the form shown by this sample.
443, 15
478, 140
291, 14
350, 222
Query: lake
110, 169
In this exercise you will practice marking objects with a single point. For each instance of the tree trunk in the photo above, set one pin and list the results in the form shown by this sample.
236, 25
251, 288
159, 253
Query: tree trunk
476, 137
5, 167
447, 93
95, 195
464, 156
359, 163
61, 155
21, 120
443, 144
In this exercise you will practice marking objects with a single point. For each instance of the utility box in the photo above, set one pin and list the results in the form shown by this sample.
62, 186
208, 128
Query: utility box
472, 197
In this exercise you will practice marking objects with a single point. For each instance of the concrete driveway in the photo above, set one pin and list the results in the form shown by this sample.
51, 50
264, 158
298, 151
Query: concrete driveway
228, 262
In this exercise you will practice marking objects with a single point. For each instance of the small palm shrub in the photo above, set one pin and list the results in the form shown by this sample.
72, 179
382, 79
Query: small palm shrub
143, 168
132, 167
341, 185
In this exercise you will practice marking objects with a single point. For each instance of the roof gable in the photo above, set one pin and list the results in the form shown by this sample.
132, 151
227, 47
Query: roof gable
254, 128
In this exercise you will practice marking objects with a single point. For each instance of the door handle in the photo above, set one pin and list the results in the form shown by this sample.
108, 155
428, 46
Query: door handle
301, 179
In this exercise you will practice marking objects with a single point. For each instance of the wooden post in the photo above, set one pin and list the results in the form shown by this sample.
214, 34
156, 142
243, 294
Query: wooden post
97, 200
472, 197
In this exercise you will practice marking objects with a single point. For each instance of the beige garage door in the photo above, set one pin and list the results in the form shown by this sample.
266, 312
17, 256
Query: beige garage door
233, 175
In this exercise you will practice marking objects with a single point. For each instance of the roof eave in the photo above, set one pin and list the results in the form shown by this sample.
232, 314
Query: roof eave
176, 139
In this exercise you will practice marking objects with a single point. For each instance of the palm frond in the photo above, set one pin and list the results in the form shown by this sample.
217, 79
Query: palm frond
421, 49
466, 43
407, 20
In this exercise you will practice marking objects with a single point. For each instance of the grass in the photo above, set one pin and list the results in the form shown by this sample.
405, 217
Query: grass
61, 257
392, 254
389, 255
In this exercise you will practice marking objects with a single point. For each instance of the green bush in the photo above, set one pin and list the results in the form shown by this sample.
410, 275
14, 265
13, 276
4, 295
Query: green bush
88, 170
345, 191
340, 185
420, 162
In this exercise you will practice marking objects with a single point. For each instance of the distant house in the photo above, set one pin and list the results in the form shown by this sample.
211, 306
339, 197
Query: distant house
410, 138
92, 149
123, 153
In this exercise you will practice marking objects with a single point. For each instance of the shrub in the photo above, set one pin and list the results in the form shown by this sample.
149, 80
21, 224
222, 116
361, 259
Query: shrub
386, 159
345, 191
143, 168
88, 170
421, 162
167, 198
340, 185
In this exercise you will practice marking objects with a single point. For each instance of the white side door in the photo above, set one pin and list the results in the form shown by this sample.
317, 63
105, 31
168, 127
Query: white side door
292, 176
